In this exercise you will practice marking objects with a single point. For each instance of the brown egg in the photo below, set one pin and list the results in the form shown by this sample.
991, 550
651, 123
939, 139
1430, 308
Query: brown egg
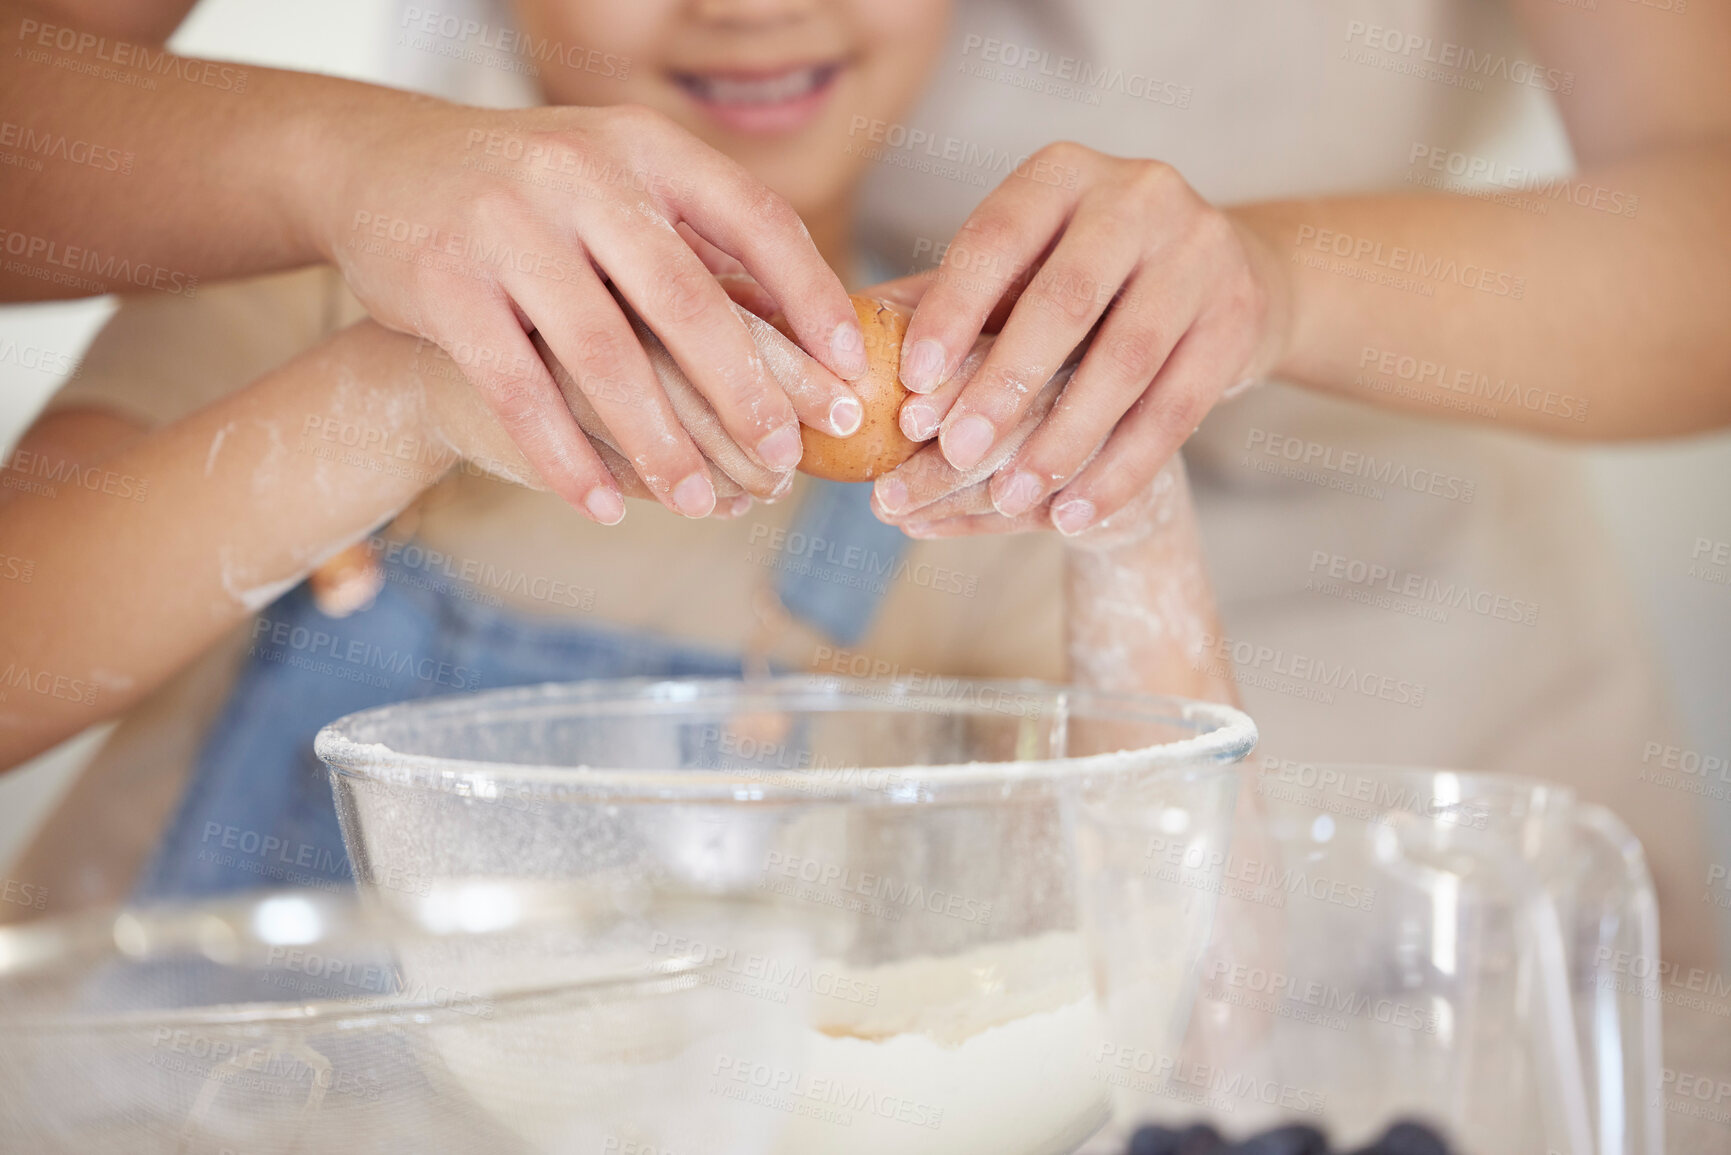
879, 445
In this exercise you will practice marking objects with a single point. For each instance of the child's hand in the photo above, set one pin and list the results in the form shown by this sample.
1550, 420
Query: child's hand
475, 229
459, 419
1138, 604
1187, 305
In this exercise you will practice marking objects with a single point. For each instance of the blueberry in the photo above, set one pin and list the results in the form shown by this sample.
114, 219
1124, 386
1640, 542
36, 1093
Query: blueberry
1296, 1139
1196, 1139
1409, 1138
1152, 1140
1200, 1139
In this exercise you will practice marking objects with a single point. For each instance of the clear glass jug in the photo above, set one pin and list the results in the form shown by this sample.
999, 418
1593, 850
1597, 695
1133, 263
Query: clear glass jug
1401, 943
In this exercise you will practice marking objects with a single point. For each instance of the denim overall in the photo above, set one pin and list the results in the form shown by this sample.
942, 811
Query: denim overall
257, 811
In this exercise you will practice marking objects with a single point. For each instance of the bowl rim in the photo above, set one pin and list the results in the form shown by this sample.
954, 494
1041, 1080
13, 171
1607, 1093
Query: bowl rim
1226, 735
38, 943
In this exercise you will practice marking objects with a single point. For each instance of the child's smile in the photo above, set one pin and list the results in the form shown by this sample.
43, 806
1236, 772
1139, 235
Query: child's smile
768, 102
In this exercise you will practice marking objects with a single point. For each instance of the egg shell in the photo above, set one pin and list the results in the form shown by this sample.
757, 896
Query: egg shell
879, 445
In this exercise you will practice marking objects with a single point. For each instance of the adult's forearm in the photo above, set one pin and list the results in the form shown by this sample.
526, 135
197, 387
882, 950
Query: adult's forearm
1593, 308
148, 171
129, 567
149, 21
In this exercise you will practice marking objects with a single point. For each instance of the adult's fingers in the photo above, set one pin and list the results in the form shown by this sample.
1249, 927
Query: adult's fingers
713, 258
928, 476
701, 421
1151, 432
1052, 318
1049, 321
629, 483
1120, 363
748, 221
1001, 240
706, 433
587, 332
818, 397
922, 414
680, 300
727, 492
496, 356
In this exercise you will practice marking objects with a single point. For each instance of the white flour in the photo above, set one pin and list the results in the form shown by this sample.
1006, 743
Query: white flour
989, 1051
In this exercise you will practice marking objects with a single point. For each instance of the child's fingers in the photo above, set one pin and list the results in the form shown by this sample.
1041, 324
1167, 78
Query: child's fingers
604, 361
977, 525
818, 396
681, 302
701, 422
727, 491
532, 411
928, 476
728, 464
976, 498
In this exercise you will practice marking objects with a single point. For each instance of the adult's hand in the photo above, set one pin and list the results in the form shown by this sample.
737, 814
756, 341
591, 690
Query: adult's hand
476, 229
469, 227
1175, 302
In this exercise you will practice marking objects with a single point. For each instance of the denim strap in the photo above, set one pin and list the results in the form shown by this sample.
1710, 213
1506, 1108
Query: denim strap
840, 560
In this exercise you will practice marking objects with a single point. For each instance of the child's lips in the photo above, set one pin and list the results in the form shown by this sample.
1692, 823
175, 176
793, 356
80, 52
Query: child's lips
761, 102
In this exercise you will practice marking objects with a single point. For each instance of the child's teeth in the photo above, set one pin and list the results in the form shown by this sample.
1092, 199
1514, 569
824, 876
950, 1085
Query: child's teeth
725, 90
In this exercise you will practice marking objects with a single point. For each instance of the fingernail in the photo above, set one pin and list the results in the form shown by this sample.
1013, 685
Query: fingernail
1240, 389
1073, 516
845, 415
694, 497
919, 420
967, 441
605, 506
1019, 496
781, 488
739, 506
920, 368
892, 495
847, 350
781, 449
918, 529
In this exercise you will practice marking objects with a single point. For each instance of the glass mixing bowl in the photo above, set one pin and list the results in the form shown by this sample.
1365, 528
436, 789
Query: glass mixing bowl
928, 897
283, 1023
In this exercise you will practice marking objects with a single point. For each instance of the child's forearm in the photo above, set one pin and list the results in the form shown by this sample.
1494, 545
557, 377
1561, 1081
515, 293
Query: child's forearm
136, 564
1139, 610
